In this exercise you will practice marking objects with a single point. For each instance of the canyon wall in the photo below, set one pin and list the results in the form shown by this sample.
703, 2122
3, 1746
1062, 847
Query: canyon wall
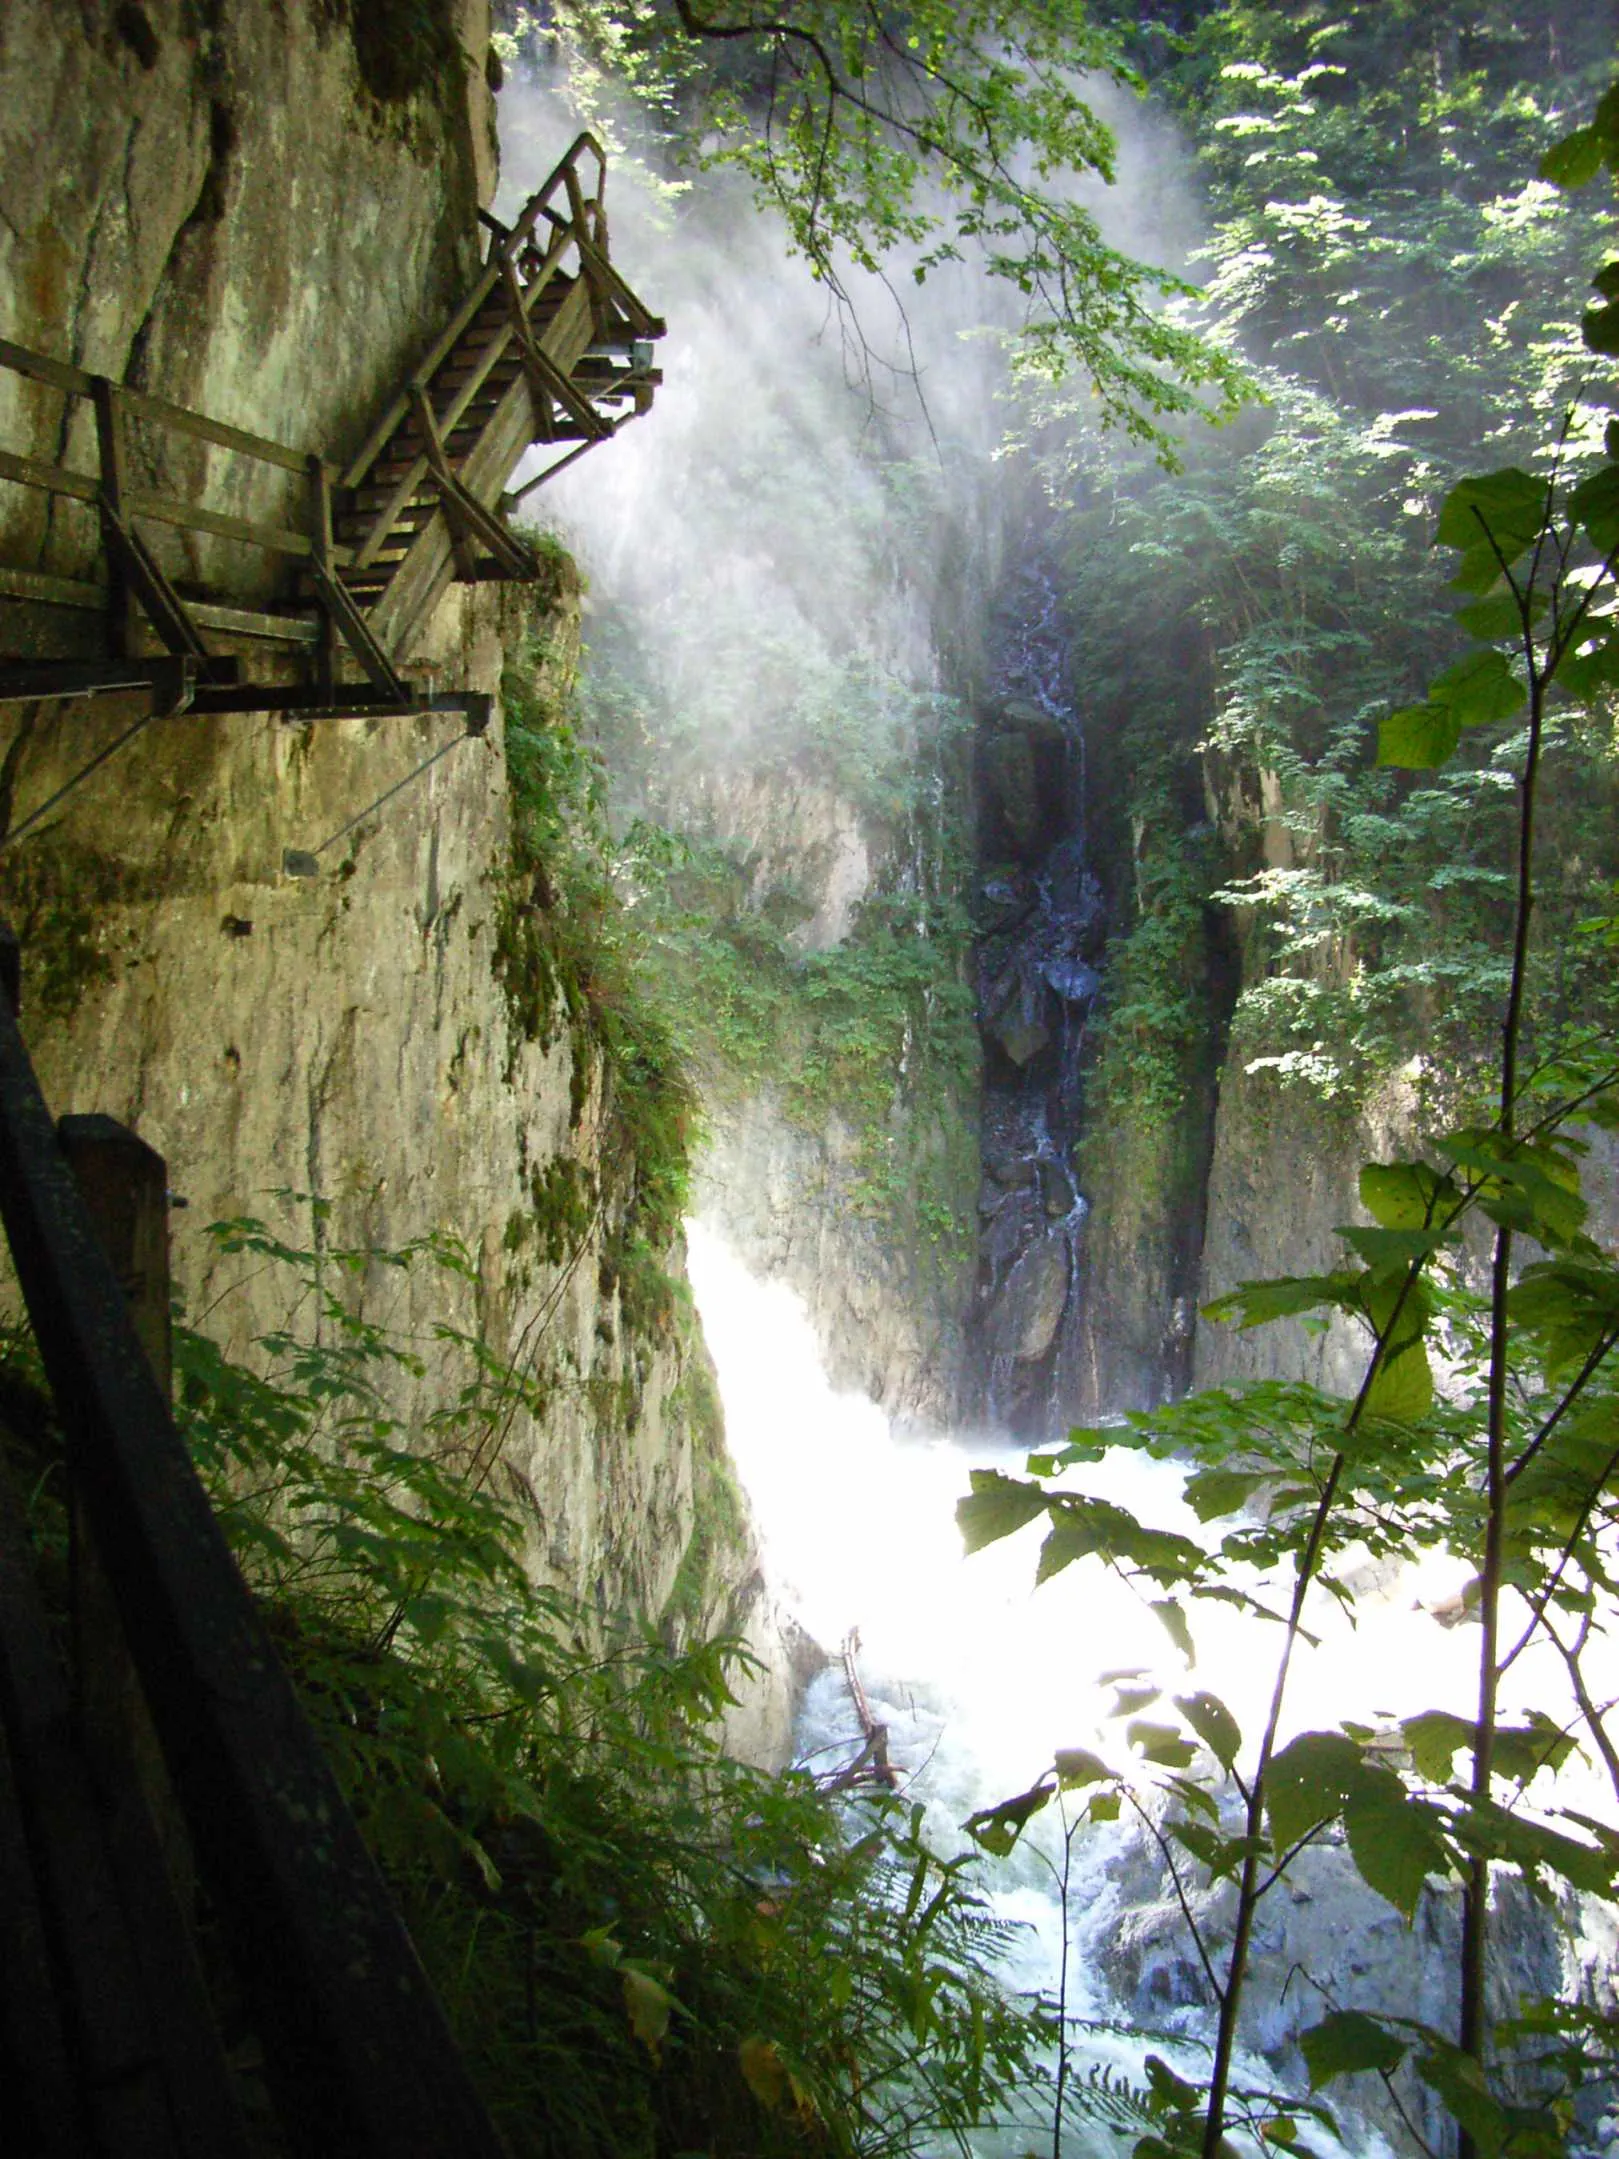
243, 210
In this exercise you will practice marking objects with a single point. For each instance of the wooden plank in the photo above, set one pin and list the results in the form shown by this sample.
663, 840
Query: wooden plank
168, 510
522, 233
422, 578
58, 479
51, 591
248, 622
40, 368
186, 422
126, 566
115, 2061
362, 2061
39, 2107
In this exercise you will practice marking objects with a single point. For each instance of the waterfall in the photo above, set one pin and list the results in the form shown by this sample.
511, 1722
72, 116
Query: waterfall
1044, 925
980, 1678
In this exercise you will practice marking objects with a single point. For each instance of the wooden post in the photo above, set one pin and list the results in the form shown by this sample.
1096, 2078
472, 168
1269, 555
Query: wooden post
125, 1186
321, 507
110, 441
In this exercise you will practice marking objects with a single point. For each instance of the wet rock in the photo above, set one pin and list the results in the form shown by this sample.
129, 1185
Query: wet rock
1012, 778
1074, 982
1029, 1308
1021, 715
1057, 1194
1021, 1037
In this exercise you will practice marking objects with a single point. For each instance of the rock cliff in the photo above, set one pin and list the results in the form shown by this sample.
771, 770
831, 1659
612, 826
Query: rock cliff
263, 212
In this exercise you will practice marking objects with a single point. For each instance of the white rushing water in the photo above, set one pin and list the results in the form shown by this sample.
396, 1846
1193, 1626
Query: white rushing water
980, 1676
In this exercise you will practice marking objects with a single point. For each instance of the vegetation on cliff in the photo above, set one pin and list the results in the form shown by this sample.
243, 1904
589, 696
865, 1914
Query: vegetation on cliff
1407, 290
1486, 1422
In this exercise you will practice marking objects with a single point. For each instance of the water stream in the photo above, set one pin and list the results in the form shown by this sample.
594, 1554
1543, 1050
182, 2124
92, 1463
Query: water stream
980, 1679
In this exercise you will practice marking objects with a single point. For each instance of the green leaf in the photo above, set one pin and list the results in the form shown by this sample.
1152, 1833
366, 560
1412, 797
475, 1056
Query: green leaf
1498, 616
1594, 505
998, 1828
1504, 508
1171, 2094
1406, 1195
1214, 1725
1478, 690
1575, 161
1173, 1621
1393, 1251
1418, 738
1082, 1527
1394, 1840
649, 2003
1586, 674
1308, 1783
1215, 1493
1495, 1832
1161, 1743
1346, 2043
1460, 2083
1128, 1700
1435, 1739
1077, 1766
996, 1507
764, 2071
1253, 1304
1401, 1391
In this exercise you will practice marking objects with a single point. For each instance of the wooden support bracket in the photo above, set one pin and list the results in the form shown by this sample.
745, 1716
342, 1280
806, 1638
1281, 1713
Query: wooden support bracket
339, 604
469, 521
546, 379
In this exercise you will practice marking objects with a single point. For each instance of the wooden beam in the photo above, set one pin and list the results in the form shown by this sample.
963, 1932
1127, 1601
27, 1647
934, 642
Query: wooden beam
39, 368
274, 539
57, 479
125, 569
359, 2053
357, 634
132, 571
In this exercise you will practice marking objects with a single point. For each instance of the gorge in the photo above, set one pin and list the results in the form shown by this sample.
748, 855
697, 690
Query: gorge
942, 852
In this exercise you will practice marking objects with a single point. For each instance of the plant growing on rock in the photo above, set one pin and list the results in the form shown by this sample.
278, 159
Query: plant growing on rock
1478, 1259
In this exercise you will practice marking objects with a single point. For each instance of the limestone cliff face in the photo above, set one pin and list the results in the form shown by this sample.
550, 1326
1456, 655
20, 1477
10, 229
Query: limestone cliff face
231, 215
214, 203
791, 1193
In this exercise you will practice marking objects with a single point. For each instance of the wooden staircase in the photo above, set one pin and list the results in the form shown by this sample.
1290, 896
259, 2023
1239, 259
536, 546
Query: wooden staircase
547, 344
549, 349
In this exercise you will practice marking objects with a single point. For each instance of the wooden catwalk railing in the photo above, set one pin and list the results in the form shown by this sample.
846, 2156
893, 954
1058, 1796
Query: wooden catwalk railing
108, 2045
549, 348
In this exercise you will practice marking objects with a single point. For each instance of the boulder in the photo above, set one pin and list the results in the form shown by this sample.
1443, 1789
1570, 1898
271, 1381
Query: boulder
1030, 1306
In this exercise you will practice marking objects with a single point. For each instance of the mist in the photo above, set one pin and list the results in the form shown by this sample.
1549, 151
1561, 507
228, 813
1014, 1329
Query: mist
818, 488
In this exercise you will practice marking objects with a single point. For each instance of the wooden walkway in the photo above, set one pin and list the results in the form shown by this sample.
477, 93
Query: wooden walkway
549, 348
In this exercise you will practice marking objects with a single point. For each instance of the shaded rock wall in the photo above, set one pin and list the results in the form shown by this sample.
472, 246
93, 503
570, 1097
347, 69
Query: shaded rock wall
345, 1035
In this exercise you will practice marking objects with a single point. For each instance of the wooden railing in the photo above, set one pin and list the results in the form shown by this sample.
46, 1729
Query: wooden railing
137, 585
358, 2055
543, 349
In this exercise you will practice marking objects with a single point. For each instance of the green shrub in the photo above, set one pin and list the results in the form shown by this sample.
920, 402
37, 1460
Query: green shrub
644, 1948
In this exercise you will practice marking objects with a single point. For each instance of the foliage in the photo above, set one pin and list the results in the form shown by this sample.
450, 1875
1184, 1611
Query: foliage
1153, 1028
568, 957
644, 1948
1405, 296
1512, 1461
874, 1029
905, 140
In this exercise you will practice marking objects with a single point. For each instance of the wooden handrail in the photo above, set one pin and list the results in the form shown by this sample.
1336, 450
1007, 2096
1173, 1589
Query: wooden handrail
360, 2057
39, 367
520, 236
